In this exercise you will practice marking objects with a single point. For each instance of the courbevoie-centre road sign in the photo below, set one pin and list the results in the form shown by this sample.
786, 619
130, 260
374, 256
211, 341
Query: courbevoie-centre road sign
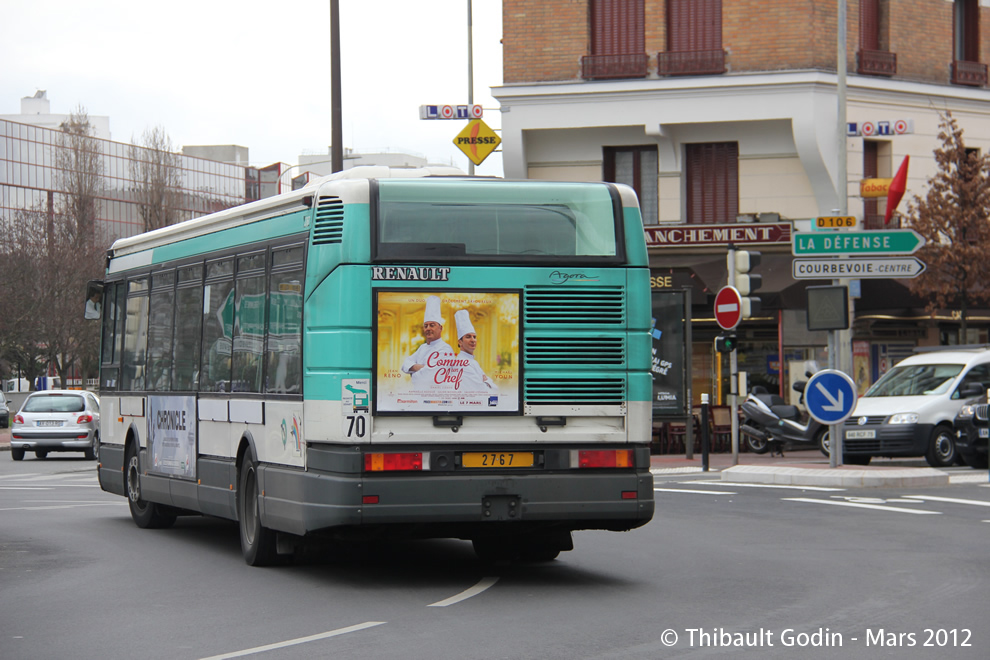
857, 268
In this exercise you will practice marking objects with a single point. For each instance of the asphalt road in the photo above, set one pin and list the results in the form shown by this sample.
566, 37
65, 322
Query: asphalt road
723, 571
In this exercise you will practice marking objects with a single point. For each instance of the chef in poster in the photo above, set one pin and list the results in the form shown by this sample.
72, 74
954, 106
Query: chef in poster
473, 379
422, 365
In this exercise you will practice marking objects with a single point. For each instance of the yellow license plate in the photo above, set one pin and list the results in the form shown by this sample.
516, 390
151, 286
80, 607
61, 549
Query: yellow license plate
497, 459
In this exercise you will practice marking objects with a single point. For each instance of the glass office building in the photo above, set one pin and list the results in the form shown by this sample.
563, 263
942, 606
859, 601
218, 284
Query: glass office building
30, 180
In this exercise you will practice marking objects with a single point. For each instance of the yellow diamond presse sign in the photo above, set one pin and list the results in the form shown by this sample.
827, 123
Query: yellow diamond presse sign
477, 141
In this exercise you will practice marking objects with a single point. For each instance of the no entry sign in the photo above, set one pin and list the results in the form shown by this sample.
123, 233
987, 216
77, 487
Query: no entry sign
728, 307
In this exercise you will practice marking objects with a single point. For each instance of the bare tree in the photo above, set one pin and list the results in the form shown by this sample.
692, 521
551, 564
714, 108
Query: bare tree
44, 293
156, 170
78, 158
20, 292
954, 218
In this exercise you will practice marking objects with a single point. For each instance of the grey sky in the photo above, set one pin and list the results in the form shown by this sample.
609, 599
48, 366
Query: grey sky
255, 72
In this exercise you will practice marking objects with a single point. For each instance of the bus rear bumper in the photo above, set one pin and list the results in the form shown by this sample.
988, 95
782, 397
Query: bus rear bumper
455, 505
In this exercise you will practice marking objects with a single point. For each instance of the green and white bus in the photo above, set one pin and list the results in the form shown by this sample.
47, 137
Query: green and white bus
386, 354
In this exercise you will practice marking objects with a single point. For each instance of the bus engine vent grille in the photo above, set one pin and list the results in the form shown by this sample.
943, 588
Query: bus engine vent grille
329, 225
602, 351
568, 391
575, 305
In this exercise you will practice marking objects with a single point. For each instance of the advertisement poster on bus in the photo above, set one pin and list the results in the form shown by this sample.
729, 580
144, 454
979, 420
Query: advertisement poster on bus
172, 435
447, 352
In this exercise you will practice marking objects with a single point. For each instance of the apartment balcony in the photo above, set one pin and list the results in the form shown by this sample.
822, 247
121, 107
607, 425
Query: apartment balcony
691, 63
605, 67
877, 63
875, 221
969, 73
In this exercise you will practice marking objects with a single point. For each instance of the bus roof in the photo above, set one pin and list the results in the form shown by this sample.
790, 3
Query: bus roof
254, 211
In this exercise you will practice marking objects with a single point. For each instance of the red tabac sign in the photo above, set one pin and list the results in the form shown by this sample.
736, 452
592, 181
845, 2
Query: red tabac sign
758, 233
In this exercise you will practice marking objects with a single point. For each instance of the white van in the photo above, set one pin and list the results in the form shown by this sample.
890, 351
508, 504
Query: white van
909, 411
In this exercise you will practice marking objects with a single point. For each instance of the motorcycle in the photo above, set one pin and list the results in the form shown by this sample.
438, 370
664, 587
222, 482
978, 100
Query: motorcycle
770, 423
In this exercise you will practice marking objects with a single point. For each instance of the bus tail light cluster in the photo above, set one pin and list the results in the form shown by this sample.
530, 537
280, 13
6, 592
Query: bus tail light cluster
605, 458
393, 462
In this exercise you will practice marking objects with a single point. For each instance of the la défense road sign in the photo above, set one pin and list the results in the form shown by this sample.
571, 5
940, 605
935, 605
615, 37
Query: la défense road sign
830, 396
857, 268
728, 307
887, 241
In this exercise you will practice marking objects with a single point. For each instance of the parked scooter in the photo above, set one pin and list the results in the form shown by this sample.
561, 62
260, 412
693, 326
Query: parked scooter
770, 423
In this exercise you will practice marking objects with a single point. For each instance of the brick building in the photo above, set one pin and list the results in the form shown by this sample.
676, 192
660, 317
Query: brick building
723, 114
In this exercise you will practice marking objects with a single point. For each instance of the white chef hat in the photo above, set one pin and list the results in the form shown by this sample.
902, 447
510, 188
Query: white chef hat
433, 310
463, 319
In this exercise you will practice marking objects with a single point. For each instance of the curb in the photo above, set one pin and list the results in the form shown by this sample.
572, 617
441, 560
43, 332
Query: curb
841, 478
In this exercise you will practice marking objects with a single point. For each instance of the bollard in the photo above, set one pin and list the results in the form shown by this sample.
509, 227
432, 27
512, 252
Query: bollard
704, 433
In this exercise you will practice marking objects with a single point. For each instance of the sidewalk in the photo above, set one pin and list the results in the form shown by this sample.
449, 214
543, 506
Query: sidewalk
806, 468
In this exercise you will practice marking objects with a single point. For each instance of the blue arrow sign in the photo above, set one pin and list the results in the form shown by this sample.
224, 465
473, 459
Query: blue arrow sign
830, 396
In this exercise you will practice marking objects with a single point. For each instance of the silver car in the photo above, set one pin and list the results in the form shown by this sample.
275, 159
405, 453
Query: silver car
56, 420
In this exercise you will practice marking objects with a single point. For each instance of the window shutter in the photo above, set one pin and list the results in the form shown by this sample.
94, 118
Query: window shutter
871, 150
712, 172
869, 24
694, 25
617, 27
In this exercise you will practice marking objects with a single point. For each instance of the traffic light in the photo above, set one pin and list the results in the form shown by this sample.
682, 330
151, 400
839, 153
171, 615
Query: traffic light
740, 263
726, 343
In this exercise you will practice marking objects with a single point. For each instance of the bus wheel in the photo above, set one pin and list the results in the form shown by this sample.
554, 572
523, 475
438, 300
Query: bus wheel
146, 515
257, 542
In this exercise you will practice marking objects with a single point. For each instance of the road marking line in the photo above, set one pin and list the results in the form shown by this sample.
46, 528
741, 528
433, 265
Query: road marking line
967, 479
26, 488
299, 640
685, 490
63, 506
19, 476
953, 500
736, 484
878, 507
484, 584
677, 470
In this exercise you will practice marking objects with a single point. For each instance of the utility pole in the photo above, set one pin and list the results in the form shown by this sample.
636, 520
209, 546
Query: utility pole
839, 340
337, 126
470, 71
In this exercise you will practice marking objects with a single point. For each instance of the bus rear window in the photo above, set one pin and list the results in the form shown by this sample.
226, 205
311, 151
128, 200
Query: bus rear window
496, 221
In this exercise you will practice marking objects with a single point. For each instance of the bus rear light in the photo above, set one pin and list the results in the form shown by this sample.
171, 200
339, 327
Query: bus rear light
369, 499
605, 458
629, 494
393, 462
